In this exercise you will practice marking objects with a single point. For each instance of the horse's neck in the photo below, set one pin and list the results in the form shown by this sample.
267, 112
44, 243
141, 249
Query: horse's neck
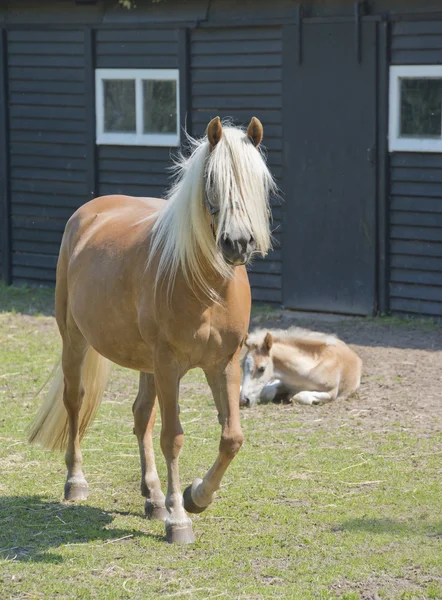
283, 357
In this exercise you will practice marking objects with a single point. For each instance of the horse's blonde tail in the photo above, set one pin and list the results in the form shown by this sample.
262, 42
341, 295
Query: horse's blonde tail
50, 426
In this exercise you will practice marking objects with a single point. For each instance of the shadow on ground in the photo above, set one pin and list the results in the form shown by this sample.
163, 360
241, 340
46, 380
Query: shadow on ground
31, 528
27, 300
382, 332
393, 527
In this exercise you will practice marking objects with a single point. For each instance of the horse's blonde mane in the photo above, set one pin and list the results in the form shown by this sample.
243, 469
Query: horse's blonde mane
239, 178
291, 335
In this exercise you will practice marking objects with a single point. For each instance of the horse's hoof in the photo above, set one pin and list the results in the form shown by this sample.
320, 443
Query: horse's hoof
76, 489
179, 532
188, 502
155, 512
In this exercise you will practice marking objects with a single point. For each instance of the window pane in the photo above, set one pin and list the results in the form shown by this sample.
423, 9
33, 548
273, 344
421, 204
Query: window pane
421, 101
160, 109
119, 105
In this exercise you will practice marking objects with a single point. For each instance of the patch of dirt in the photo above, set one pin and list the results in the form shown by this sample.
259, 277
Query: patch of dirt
379, 588
401, 385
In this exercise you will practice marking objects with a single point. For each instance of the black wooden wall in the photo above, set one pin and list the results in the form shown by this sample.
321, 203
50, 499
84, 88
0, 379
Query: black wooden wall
416, 194
135, 170
48, 158
55, 166
238, 72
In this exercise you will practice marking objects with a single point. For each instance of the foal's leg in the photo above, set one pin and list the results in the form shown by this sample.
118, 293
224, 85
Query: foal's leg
74, 350
167, 378
313, 398
225, 385
144, 410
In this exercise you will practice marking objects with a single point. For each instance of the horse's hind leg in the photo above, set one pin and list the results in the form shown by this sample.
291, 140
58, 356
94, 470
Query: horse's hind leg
144, 410
74, 351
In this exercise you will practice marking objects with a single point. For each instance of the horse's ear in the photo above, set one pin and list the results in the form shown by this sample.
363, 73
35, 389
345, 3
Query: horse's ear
268, 342
247, 342
255, 131
214, 131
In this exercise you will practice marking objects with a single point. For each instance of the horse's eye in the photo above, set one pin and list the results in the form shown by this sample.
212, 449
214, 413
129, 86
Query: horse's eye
261, 369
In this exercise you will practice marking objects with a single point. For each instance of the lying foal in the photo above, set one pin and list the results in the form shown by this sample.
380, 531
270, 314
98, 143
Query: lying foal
310, 367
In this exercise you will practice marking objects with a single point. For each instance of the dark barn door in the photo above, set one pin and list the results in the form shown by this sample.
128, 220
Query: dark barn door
330, 191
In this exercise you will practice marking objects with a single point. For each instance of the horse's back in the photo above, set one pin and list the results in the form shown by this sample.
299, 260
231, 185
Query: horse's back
110, 216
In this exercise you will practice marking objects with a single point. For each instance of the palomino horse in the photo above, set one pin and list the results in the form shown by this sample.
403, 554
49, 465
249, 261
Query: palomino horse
311, 367
161, 287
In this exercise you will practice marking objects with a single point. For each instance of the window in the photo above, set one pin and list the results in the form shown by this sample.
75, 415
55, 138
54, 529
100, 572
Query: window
415, 123
138, 107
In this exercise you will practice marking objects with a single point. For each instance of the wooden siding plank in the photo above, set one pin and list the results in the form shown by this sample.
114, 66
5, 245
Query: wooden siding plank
45, 73
129, 153
48, 125
47, 151
402, 232
230, 75
416, 292
46, 48
48, 198
420, 263
47, 137
36, 247
266, 295
43, 99
201, 117
112, 166
408, 306
237, 60
417, 277
265, 280
36, 35
51, 60
416, 204
416, 248
432, 190
33, 273
116, 36
132, 48
37, 236
36, 174
226, 47
406, 28
237, 33
143, 191
136, 62
41, 261
68, 113
416, 57
416, 175
54, 187
47, 87
416, 42
121, 179
417, 219
238, 88
416, 159
236, 102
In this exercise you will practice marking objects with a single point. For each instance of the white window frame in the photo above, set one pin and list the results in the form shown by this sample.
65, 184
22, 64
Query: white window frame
396, 142
139, 138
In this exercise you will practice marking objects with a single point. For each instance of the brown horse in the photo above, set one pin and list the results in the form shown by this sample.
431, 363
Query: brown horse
161, 287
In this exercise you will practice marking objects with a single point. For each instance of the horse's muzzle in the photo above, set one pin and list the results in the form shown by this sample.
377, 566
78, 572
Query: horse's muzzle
237, 251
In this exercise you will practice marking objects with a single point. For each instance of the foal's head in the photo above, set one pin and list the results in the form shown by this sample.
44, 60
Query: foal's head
237, 184
257, 367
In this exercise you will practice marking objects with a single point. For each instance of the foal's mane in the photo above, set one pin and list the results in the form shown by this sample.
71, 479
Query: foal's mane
234, 173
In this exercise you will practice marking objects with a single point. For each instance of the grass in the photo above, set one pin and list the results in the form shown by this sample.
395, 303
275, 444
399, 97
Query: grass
304, 513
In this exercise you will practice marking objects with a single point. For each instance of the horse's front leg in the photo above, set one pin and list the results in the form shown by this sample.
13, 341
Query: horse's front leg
167, 379
225, 384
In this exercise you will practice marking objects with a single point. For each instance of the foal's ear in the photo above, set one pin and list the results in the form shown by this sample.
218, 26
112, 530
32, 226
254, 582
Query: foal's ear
255, 131
268, 342
214, 131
